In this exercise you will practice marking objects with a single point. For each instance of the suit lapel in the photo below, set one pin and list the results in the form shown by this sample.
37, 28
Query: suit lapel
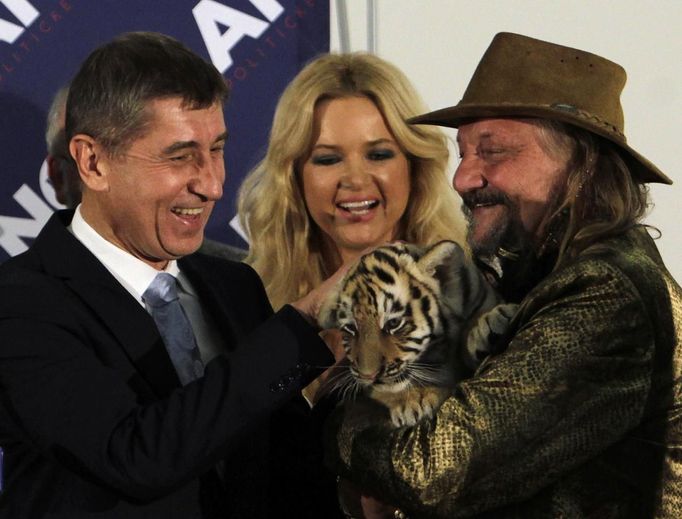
212, 291
123, 317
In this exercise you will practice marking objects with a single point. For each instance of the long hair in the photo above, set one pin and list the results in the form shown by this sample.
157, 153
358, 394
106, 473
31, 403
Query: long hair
601, 197
285, 244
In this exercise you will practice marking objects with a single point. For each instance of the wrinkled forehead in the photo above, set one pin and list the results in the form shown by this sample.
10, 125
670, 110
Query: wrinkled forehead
509, 128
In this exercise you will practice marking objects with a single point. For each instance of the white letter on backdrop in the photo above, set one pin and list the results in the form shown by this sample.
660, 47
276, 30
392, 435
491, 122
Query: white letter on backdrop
209, 13
11, 228
23, 10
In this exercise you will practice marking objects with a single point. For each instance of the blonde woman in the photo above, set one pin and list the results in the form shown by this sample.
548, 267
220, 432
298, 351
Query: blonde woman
343, 172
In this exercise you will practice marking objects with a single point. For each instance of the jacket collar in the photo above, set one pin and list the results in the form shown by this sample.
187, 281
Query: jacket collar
64, 257
214, 287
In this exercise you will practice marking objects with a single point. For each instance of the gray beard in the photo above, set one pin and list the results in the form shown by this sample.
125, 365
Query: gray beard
510, 235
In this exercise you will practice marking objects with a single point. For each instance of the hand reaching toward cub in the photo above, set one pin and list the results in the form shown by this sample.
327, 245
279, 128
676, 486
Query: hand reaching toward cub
309, 304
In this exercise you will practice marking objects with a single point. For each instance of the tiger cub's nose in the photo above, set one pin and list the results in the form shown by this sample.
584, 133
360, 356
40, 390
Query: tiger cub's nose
368, 376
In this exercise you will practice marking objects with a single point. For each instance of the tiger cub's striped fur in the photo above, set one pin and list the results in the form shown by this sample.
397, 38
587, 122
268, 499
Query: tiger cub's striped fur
404, 312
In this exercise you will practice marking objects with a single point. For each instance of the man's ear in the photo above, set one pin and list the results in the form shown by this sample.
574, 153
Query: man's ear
92, 162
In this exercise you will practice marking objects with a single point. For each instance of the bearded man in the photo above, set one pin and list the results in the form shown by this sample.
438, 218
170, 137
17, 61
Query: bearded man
576, 412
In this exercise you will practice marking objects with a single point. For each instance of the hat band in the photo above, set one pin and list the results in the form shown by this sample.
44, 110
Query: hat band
562, 111
587, 115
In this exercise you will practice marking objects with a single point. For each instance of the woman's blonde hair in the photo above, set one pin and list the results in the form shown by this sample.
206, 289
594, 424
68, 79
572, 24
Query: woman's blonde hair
285, 244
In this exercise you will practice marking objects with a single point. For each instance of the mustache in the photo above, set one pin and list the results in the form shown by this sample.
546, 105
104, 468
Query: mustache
485, 196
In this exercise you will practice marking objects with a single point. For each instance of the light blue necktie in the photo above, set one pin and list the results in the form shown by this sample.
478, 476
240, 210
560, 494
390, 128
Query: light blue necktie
174, 327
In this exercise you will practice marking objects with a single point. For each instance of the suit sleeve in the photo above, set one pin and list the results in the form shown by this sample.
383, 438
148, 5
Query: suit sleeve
68, 397
573, 380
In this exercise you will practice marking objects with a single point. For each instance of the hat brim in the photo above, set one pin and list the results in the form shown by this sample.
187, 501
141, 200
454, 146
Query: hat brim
454, 116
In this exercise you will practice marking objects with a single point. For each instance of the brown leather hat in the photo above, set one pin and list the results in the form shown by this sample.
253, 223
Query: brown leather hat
520, 76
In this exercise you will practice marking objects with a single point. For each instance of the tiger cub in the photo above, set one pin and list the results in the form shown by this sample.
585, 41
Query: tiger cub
404, 312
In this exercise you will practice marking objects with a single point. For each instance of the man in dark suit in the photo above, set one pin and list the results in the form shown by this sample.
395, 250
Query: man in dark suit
98, 415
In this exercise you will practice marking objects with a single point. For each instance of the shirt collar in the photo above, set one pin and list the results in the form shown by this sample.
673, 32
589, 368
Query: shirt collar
134, 274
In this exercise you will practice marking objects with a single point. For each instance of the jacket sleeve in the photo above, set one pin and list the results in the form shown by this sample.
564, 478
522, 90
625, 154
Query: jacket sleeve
573, 380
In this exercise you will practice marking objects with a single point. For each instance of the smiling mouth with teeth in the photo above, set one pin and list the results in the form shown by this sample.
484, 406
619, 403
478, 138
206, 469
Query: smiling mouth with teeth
359, 208
187, 211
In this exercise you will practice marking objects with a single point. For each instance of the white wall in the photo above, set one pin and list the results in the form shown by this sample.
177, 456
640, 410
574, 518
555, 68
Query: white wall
438, 44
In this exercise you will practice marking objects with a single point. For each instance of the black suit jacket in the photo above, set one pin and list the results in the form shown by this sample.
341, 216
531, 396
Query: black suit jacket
93, 421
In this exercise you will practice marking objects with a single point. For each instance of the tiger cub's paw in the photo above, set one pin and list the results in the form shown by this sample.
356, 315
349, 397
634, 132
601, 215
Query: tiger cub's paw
489, 326
414, 404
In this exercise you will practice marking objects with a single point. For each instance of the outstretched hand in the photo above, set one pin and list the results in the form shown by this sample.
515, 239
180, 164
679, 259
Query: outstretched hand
309, 305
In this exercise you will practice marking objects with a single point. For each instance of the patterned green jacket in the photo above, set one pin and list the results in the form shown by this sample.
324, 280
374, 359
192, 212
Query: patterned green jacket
580, 415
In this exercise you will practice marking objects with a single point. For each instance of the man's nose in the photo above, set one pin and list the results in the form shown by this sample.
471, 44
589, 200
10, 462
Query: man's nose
209, 180
468, 176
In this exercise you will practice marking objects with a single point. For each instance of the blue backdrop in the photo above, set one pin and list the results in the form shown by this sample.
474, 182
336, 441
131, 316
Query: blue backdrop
258, 45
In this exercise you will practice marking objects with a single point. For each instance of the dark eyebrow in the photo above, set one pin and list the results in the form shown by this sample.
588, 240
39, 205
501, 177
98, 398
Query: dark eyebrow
370, 143
181, 145
484, 135
382, 141
322, 145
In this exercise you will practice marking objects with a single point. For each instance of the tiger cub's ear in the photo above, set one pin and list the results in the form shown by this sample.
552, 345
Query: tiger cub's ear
446, 262
439, 260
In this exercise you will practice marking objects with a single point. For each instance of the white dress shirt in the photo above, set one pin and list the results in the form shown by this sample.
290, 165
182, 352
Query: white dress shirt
135, 276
